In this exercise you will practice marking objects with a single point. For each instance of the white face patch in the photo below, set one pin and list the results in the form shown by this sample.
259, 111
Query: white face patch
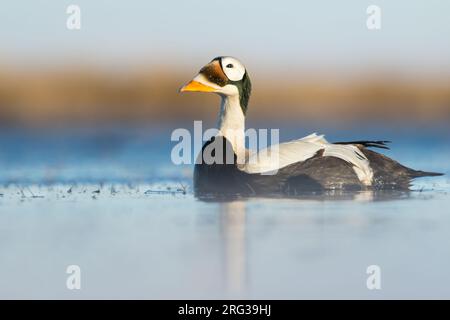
232, 68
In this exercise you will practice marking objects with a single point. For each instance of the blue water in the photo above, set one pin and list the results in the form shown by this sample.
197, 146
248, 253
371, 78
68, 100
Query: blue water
142, 154
110, 200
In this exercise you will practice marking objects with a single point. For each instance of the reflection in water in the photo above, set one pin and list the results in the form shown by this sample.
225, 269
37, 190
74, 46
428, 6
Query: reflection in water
233, 227
234, 233
330, 195
182, 248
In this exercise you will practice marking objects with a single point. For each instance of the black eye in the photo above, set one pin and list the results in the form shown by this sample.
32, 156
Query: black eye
229, 65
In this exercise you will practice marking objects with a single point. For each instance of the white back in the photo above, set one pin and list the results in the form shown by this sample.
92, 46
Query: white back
266, 160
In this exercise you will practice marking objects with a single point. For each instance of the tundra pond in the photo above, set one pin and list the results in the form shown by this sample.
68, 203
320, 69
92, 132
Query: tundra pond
110, 201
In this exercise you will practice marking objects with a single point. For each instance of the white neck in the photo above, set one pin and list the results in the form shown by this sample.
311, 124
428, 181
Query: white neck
231, 125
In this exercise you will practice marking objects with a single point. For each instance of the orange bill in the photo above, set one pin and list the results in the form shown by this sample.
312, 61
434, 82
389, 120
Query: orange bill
196, 86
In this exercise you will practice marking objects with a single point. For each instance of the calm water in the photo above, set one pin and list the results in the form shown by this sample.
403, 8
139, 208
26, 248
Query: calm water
111, 201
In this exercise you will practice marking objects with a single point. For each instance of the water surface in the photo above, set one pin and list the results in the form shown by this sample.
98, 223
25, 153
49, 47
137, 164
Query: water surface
110, 201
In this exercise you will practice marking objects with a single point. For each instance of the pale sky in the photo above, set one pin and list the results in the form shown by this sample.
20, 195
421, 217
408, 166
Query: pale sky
414, 33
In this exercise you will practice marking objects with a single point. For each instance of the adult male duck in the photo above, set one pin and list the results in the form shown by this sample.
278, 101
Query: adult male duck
309, 164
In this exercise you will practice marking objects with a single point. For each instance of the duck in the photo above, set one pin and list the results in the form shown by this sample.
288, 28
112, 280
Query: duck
307, 165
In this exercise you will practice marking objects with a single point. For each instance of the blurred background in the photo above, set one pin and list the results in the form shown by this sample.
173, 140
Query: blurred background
86, 176
307, 60
112, 86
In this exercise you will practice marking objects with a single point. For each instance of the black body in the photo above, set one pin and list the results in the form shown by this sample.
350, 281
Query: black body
317, 174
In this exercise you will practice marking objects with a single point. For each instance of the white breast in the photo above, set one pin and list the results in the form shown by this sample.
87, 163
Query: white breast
269, 160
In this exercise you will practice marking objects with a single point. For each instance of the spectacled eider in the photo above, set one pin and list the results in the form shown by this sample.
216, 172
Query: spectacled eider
306, 165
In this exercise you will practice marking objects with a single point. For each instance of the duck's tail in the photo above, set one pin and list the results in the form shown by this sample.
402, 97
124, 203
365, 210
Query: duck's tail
419, 173
382, 144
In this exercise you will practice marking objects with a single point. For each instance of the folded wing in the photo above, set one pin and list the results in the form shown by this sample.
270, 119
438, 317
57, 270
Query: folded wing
273, 158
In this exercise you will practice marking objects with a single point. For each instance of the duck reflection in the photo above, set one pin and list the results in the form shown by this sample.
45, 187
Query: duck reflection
233, 224
233, 230
330, 195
